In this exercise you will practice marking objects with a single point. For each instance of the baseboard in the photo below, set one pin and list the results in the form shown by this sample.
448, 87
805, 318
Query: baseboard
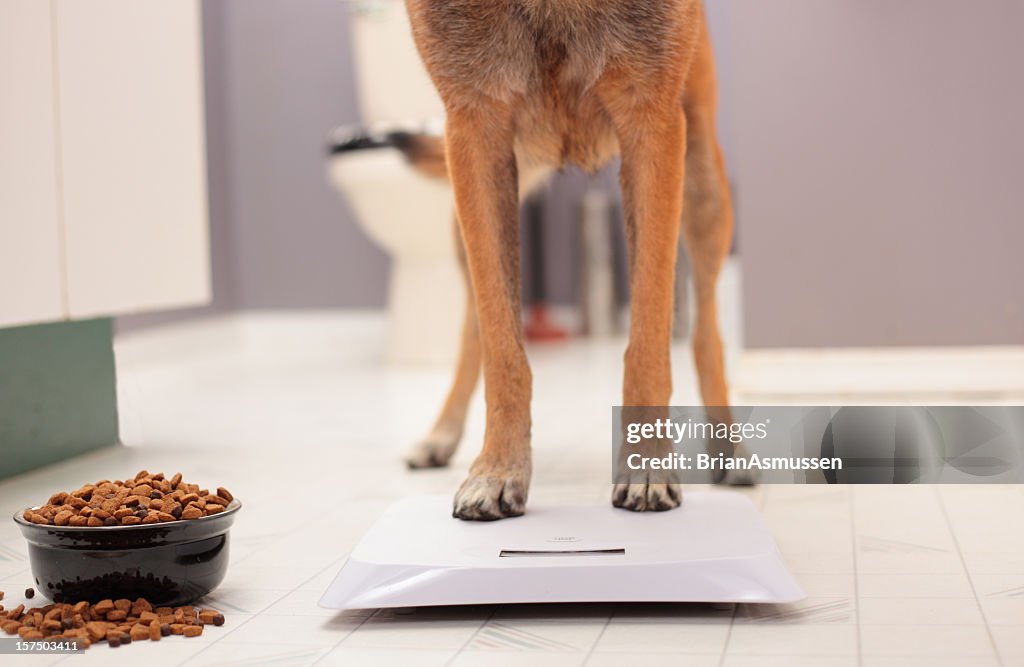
978, 375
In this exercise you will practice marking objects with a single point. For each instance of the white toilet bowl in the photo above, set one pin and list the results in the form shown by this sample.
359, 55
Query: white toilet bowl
408, 214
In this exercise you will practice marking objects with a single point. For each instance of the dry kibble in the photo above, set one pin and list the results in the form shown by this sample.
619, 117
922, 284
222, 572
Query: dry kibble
96, 629
116, 622
191, 512
139, 632
143, 499
103, 606
30, 593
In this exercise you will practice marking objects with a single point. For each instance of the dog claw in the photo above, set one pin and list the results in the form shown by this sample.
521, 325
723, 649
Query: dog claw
647, 497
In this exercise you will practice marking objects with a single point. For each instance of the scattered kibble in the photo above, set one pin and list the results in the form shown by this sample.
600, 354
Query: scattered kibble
30, 592
116, 622
144, 499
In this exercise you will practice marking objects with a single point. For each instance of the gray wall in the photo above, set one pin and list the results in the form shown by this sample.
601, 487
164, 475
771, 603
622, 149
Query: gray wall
879, 160
875, 147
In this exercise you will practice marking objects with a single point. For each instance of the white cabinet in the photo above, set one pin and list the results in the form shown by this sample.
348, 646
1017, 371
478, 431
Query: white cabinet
31, 281
108, 175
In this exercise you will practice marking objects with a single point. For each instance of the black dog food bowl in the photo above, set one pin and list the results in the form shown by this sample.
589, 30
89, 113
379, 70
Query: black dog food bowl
171, 563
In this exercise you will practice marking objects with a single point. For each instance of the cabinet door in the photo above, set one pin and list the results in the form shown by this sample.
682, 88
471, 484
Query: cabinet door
129, 77
30, 264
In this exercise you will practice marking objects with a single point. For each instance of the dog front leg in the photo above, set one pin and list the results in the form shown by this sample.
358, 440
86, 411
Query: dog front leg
482, 165
653, 146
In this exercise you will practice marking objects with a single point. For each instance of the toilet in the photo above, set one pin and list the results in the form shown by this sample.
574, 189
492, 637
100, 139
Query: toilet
409, 215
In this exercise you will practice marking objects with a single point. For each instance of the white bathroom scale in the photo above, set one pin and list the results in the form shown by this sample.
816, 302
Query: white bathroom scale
714, 548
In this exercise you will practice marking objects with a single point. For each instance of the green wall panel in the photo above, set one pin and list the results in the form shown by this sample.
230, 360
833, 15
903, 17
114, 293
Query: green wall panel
58, 395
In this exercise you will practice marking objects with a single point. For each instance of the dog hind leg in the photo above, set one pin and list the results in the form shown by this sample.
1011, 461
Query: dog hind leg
707, 234
437, 448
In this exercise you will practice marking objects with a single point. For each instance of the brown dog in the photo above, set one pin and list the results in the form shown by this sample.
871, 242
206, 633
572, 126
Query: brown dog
530, 85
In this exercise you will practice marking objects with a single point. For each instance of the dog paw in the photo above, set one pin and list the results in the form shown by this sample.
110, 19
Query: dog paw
434, 451
736, 477
647, 496
488, 495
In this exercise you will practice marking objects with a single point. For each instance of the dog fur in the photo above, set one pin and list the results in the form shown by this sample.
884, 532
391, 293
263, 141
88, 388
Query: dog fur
533, 85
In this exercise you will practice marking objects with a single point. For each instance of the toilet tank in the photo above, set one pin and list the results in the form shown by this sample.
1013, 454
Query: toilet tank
392, 83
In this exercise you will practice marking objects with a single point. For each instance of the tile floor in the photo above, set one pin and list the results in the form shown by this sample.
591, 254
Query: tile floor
296, 409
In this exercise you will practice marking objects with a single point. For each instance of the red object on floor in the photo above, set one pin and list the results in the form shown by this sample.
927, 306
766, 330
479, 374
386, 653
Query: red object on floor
539, 326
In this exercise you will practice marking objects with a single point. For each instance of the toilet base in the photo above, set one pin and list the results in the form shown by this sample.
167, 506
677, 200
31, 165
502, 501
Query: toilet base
426, 306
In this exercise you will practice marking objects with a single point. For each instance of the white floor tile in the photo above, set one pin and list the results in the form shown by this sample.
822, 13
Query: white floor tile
291, 630
427, 634
1004, 611
1010, 643
914, 586
819, 563
664, 637
919, 611
926, 640
652, 660
789, 661
999, 585
345, 656
928, 661
916, 562
793, 640
243, 655
567, 636
994, 562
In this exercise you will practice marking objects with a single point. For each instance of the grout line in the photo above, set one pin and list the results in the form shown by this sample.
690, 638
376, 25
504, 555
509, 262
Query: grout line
472, 637
728, 634
970, 579
856, 575
261, 611
346, 636
597, 639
